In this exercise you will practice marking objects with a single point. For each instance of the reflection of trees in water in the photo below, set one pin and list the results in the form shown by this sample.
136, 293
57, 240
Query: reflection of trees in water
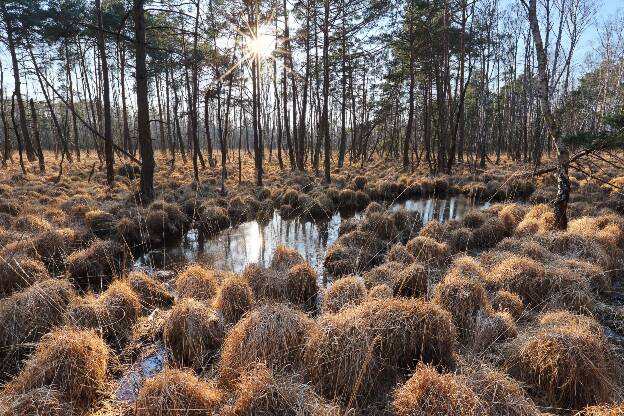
255, 241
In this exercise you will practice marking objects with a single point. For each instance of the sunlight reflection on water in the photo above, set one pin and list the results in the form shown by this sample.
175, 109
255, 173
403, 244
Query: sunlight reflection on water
254, 242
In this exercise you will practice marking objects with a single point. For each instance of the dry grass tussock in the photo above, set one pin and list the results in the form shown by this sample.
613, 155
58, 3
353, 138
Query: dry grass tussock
43, 401
234, 299
178, 393
27, 315
567, 360
17, 273
95, 266
358, 354
193, 332
289, 279
274, 334
261, 392
73, 362
343, 293
151, 292
112, 314
428, 392
196, 282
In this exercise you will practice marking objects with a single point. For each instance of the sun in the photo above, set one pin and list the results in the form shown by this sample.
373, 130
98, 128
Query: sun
262, 45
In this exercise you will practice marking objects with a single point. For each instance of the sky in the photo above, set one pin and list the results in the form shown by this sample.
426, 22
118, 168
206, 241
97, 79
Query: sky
589, 40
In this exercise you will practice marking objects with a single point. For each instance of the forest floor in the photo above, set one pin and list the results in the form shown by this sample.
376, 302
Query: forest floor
492, 313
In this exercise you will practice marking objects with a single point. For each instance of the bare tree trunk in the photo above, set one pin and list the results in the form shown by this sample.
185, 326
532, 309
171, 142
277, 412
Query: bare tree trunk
17, 136
108, 131
35, 127
563, 154
8, 23
145, 141
325, 115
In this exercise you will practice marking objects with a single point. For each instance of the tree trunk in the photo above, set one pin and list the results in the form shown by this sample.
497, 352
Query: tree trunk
554, 131
35, 127
108, 131
145, 141
30, 154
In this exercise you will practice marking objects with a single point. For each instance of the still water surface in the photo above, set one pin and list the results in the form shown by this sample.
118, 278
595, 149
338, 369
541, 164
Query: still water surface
255, 242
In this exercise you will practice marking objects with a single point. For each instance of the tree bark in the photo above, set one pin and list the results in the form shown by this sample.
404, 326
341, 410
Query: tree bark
145, 141
563, 154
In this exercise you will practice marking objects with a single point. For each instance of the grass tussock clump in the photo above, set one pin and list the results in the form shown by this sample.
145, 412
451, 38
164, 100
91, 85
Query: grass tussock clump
382, 291
193, 333
492, 327
285, 257
273, 334
296, 284
112, 314
43, 401
101, 223
567, 359
411, 281
213, 219
344, 292
602, 410
151, 292
358, 354
53, 246
178, 393
428, 250
428, 392
73, 362
464, 298
261, 392
95, 266
27, 315
234, 299
538, 220
17, 273
537, 285
197, 282
399, 253
501, 394
505, 301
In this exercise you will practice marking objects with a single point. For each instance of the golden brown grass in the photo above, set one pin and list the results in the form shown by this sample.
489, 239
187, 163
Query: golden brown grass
260, 392
501, 394
43, 401
427, 250
289, 279
358, 354
74, 362
95, 266
411, 281
567, 359
505, 301
178, 393
274, 334
428, 392
463, 297
27, 315
193, 333
17, 273
196, 282
343, 293
113, 314
234, 299
151, 292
